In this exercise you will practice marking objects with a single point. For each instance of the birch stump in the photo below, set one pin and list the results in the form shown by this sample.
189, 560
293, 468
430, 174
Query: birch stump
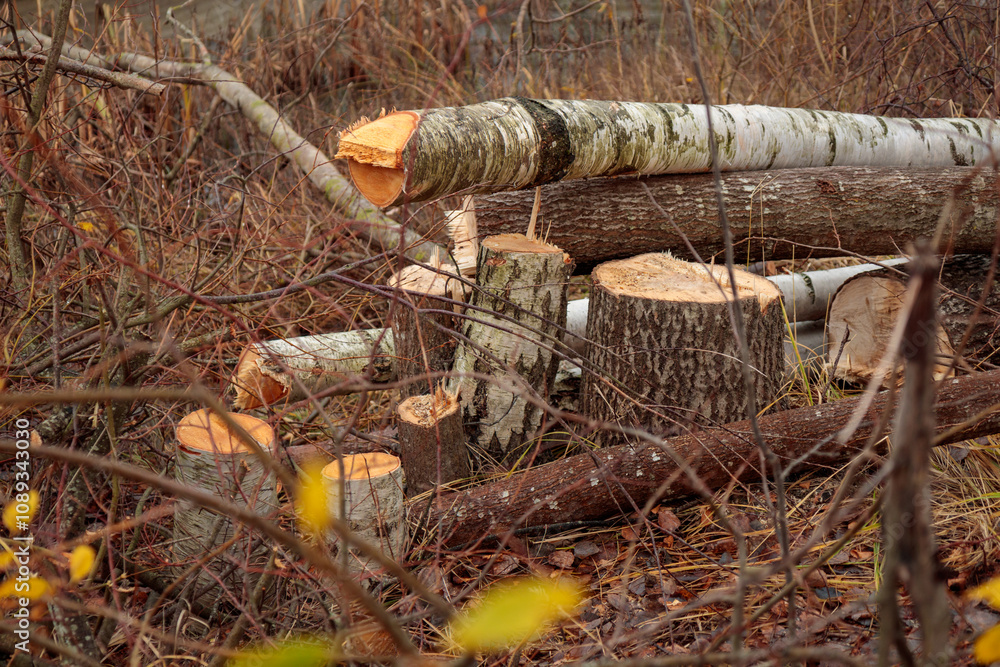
514, 143
432, 441
522, 293
423, 340
212, 457
371, 487
293, 369
659, 330
865, 310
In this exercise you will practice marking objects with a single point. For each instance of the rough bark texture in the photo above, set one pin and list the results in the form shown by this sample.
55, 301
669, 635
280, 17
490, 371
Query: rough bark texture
432, 441
293, 369
599, 484
372, 487
660, 331
515, 143
866, 308
524, 280
774, 215
423, 341
209, 457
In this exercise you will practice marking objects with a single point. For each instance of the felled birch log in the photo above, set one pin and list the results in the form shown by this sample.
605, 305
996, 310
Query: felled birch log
514, 143
525, 280
597, 485
779, 214
864, 313
424, 341
371, 486
331, 364
661, 342
213, 458
432, 441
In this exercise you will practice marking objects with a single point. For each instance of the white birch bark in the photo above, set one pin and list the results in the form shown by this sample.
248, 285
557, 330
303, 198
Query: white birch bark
371, 486
515, 143
292, 369
210, 457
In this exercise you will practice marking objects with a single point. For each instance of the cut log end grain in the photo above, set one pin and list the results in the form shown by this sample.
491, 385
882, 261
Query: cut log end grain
362, 466
254, 385
205, 431
428, 409
422, 281
521, 243
374, 151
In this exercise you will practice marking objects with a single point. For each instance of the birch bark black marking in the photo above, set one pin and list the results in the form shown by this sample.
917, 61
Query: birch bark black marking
659, 329
210, 457
513, 143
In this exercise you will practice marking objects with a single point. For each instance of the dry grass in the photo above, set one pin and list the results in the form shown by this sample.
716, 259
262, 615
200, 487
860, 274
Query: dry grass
136, 201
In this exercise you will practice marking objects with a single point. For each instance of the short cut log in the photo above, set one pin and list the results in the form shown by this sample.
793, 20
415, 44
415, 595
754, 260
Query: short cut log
661, 340
778, 214
432, 441
865, 309
501, 359
515, 143
211, 457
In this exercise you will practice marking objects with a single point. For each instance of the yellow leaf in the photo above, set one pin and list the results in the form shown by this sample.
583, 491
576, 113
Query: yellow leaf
311, 503
292, 653
80, 562
20, 511
514, 612
31, 588
85, 226
988, 593
6, 560
986, 648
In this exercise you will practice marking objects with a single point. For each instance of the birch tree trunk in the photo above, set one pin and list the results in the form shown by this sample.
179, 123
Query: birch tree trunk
779, 214
211, 457
864, 313
333, 364
525, 280
661, 340
599, 484
514, 143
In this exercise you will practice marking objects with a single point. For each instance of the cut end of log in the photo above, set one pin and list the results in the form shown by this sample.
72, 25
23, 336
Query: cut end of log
428, 409
363, 466
860, 324
374, 152
520, 243
254, 385
659, 276
206, 431
425, 282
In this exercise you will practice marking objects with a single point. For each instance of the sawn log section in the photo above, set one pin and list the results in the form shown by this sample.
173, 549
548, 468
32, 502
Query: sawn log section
594, 485
774, 214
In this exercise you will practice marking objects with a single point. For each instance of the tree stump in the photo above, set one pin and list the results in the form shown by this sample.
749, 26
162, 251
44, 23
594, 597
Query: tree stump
211, 457
373, 501
423, 340
660, 330
865, 309
432, 441
525, 280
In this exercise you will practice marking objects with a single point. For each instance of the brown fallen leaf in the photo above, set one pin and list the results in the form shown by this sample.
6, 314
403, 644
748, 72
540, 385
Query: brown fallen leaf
667, 520
561, 558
